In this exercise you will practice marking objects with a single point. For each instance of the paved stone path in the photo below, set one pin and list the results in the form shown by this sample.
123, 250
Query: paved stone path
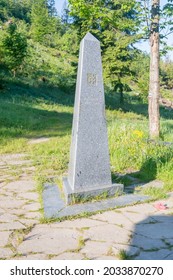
140, 232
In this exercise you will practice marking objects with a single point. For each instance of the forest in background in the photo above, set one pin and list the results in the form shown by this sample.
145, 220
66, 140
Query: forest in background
38, 46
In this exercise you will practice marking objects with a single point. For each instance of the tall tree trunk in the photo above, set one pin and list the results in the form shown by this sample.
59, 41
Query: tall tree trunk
154, 84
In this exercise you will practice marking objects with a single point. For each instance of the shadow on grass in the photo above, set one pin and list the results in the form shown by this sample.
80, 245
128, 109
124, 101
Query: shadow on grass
135, 105
153, 237
147, 173
31, 111
18, 120
20, 91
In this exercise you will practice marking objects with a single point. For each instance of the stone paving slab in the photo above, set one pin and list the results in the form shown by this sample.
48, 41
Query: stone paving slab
146, 208
5, 252
29, 222
32, 257
113, 233
105, 258
11, 226
32, 215
4, 236
116, 218
6, 218
95, 249
49, 241
11, 203
34, 206
22, 185
138, 217
68, 256
30, 196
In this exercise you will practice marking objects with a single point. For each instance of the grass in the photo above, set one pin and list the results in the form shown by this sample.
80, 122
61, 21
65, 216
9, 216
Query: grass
155, 193
123, 255
30, 111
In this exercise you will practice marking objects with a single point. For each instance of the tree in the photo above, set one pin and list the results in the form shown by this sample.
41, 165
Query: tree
117, 59
51, 8
115, 24
43, 26
39, 20
20, 9
65, 13
166, 73
140, 68
158, 24
15, 47
154, 83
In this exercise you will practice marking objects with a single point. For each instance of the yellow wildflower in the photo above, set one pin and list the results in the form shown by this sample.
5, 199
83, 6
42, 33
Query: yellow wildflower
138, 133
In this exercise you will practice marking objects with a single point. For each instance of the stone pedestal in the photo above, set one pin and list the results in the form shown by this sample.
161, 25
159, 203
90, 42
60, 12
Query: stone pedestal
89, 167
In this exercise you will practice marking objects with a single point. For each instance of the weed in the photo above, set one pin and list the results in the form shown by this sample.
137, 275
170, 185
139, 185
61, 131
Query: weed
123, 255
50, 256
81, 243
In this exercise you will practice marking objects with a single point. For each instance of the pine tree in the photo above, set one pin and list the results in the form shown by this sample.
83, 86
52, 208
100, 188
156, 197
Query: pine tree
51, 8
15, 47
115, 24
42, 25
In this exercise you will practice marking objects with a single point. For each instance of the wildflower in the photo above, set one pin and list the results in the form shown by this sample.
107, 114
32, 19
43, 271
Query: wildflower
138, 133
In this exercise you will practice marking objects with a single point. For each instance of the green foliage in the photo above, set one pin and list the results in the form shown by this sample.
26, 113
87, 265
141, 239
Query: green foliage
134, 152
117, 59
3, 10
20, 9
166, 22
42, 25
123, 255
140, 69
14, 47
48, 64
167, 74
115, 24
68, 39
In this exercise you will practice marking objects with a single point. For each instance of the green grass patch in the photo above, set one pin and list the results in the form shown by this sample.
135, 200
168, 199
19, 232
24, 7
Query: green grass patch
155, 193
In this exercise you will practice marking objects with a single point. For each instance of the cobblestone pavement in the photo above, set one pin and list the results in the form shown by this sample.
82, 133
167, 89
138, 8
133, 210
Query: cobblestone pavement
138, 232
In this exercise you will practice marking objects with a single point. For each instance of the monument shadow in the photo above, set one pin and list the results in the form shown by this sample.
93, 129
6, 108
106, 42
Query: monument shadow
153, 237
146, 174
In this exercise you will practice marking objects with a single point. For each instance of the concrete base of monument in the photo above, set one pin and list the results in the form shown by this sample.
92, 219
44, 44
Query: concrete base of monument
55, 205
81, 195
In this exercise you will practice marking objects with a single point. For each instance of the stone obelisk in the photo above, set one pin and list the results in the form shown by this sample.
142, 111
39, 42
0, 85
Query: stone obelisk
89, 167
